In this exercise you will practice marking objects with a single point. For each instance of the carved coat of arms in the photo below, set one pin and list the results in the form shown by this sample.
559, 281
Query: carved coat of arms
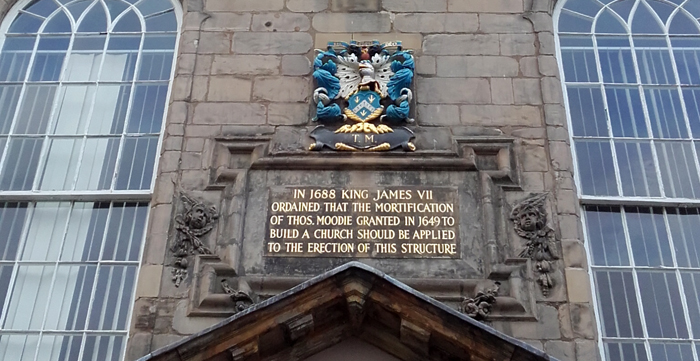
363, 97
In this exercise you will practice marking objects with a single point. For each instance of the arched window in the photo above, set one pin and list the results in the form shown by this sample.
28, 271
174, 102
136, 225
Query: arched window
83, 90
631, 72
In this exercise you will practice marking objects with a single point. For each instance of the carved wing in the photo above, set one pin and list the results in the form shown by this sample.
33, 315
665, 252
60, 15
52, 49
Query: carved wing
349, 75
382, 71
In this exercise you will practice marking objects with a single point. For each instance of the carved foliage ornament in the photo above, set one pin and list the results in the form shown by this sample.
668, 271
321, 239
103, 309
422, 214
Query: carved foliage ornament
194, 222
479, 307
363, 97
530, 221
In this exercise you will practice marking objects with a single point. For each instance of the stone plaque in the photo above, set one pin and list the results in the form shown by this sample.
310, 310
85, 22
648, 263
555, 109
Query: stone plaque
385, 222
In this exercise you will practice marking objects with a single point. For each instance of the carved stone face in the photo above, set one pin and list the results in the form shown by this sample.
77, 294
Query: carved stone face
529, 221
198, 218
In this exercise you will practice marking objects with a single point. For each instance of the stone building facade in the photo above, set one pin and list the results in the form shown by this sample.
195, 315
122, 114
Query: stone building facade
487, 91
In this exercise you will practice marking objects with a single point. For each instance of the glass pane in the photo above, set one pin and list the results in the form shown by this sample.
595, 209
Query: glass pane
115, 7
645, 21
625, 351
606, 235
619, 313
665, 113
682, 24
148, 7
61, 164
119, 66
12, 217
147, 109
691, 97
626, 112
14, 59
637, 170
83, 66
21, 163
672, 351
678, 170
125, 232
107, 348
586, 7
60, 347
28, 300
655, 66
49, 57
112, 297
9, 94
128, 23
77, 8
5, 278
617, 65
98, 163
684, 224
623, 8
691, 288
35, 110
85, 232
156, 66
41, 7
648, 237
59, 23
73, 109
595, 166
71, 285
579, 65
688, 63
18, 347
137, 163
95, 21
587, 111
570, 22
45, 235
661, 301
162, 22
111, 105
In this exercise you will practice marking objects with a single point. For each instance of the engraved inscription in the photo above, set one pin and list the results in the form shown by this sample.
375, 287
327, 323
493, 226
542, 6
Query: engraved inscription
389, 222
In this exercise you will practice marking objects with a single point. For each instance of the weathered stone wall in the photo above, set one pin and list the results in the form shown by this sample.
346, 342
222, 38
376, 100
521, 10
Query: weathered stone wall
484, 68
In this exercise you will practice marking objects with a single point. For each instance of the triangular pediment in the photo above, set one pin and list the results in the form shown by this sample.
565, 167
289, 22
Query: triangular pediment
353, 303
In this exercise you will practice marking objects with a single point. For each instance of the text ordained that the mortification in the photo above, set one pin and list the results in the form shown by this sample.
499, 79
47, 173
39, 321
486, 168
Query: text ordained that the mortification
391, 222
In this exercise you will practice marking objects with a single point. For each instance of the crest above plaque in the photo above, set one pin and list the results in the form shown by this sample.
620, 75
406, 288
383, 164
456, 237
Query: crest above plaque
363, 97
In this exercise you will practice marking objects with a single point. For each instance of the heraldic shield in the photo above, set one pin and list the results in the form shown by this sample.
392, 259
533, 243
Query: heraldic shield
363, 97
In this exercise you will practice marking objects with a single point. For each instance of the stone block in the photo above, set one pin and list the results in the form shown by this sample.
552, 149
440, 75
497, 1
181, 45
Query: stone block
410, 41
229, 113
546, 327
532, 181
344, 23
582, 321
578, 285
203, 64
534, 157
227, 22
528, 133
561, 156
548, 65
415, 5
307, 6
172, 143
344, 6
562, 350
541, 21
194, 145
517, 44
139, 345
163, 340
185, 64
527, 91
271, 43
177, 114
586, 351
502, 91
476, 66
546, 40
436, 23
453, 91
288, 114
441, 115
558, 133
194, 130
529, 66
574, 254
569, 226
501, 115
555, 115
280, 22
245, 65
481, 6
181, 88
214, 43
426, 65
149, 281
504, 23
296, 65
189, 325
169, 161
470, 44
243, 5
200, 85
282, 89
551, 90
225, 88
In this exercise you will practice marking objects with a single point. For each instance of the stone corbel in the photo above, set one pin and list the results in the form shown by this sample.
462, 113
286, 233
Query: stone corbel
415, 337
217, 290
356, 294
298, 327
247, 351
